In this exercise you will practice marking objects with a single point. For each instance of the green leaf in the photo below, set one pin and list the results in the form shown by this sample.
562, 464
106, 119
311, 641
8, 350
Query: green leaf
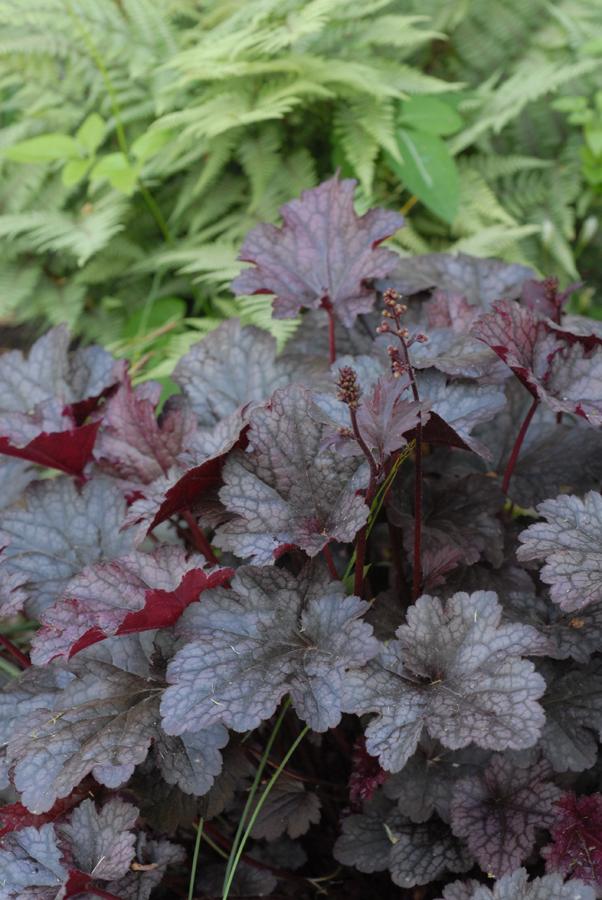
44, 148
74, 171
118, 171
162, 310
431, 115
149, 143
428, 170
569, 104
593, 137
91, 133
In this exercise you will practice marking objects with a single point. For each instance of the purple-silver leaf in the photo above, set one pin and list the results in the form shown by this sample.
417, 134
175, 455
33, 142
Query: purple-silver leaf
285, 490
570, 541
270, 635
323, 253
454, 672
498, 811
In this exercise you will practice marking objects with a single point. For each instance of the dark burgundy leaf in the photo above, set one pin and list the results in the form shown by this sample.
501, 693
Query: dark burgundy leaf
323, 253
137, 592
132, 444
576, 847
46, 397
559, 368
366, 774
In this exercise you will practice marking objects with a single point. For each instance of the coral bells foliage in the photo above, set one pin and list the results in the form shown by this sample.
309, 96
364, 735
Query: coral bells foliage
335, 612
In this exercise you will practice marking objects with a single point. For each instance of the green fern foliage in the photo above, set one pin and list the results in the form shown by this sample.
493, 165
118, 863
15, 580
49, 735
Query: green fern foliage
184, 124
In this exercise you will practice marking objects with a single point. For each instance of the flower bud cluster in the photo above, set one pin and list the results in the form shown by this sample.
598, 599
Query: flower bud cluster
391, 324
349, 391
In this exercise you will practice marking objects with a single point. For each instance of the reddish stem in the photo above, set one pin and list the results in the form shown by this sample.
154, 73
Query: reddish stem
360, 545
374, 471
417, 570
200, 541
330, 563
14, 651
520, 437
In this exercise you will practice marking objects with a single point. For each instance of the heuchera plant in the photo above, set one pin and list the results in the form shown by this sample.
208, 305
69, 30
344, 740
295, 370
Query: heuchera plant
329, 622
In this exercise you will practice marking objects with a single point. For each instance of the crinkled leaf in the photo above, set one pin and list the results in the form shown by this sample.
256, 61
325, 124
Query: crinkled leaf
15, 475
458, 514
64, 860
56, 531
570, 541
31, 865
285, 490
232, 367
152, 857
576, 847
573, 707
46, 397
289, 809
518, 887
101, 840
565, 634
270, 635
461, 405
455, 672
481, 281
382, 839
192, 761
137, 592
498, 811
132, 443
323, 252
425, 784
559, 368
450, 346
102, 722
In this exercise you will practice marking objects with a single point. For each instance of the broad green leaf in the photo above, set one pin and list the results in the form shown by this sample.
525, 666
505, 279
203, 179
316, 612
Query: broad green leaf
428, 171
91, 133
430, 115
118, 171
74, 171
149, 143
44, 148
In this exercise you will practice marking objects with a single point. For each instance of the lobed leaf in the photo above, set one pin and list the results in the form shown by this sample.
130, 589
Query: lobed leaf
323, 253
270, 635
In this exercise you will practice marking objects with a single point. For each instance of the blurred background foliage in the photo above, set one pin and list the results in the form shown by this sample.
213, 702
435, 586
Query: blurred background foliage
141, 139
